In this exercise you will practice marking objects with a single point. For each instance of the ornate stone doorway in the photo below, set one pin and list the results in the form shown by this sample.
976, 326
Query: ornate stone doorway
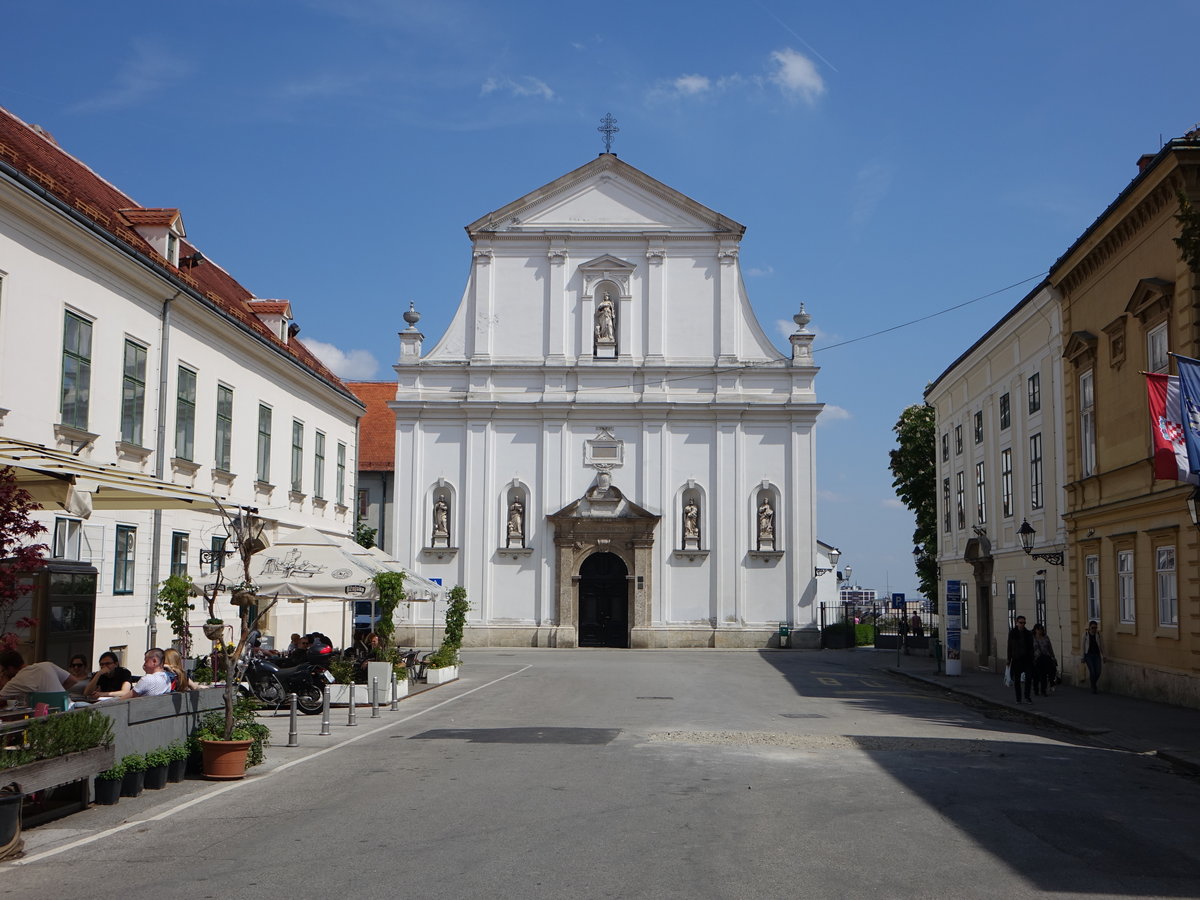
603, 601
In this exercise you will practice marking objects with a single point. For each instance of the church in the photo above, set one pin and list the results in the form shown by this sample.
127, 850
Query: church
605, 448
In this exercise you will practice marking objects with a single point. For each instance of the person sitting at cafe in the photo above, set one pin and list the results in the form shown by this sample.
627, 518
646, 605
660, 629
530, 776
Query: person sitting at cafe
155, 681
173, 665
300, 654
18, 678
110, 677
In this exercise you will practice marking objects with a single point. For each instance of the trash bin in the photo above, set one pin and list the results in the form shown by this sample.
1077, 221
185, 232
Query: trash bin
785, 636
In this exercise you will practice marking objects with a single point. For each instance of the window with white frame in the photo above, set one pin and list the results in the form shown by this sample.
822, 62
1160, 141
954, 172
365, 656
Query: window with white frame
945, 504
1035, 471
319, 465
224, 430
1087, 425
217, 557
297, 455
263, 469
1005, 411
1034, 386
960, 497
185, 414
1125, 585
980, 494
76, 371
123, 565
179, 552
979, 427
133, 393
341, 474
1168, 599
958, 445
1006, 483
1156, 349
67, 539
1039, 600
1091, 581
945, 448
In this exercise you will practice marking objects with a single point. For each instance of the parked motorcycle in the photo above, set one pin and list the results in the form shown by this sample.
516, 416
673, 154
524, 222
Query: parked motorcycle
271, 679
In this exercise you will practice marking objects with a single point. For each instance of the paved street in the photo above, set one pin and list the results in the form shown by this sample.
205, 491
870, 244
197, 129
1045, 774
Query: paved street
653, 774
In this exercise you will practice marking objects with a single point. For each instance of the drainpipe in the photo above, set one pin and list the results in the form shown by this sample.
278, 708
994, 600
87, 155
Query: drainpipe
160, 468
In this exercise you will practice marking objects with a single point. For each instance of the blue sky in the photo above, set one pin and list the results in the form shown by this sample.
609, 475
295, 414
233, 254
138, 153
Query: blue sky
889, 160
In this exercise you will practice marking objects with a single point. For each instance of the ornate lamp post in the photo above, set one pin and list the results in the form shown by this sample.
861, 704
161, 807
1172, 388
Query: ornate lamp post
1026, 533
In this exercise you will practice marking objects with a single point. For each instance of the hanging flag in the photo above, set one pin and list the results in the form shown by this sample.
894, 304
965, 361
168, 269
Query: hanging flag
1166, 429
1189, 407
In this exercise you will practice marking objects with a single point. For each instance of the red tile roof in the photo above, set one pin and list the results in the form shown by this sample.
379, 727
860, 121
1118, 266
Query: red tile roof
266, 307
33, 153
149, 216
377, 429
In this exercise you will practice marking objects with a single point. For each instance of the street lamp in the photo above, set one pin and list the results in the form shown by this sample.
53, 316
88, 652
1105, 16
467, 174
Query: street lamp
1193, 503
1026, 533
834, 555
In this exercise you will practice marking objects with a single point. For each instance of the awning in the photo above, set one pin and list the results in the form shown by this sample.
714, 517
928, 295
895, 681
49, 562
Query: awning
57, 479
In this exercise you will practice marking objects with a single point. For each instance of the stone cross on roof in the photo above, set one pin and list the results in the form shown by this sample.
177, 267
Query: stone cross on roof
608, 127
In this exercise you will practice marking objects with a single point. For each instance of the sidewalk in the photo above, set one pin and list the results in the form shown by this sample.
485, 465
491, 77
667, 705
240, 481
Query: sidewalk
1126, 723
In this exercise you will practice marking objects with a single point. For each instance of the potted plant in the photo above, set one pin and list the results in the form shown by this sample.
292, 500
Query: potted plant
343, 672
108, 784
157, 762
134, 780
442, 665
228, 753
214, 628
177, 752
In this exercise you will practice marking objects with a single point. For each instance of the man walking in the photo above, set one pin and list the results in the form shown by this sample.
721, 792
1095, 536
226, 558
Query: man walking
1020, 659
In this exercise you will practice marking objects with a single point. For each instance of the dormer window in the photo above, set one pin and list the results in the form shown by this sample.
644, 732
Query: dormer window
276, 315
162, 229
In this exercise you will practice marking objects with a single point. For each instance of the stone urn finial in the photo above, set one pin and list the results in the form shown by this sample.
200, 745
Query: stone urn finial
802, 318
412, 317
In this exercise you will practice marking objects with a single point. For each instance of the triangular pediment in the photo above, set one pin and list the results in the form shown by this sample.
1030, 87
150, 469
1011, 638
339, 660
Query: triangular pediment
1151, 296
1081, 346
608, 503
606, 263
605, 195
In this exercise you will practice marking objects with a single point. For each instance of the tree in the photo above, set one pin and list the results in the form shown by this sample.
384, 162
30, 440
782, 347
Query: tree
364, 535
18, 559
914, 465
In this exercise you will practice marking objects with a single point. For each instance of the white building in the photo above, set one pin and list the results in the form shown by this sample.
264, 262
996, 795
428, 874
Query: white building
1000, 463
120, 345
605, 448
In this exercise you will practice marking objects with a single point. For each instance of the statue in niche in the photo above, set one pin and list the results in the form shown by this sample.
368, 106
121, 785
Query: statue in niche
766, 525
606, 318
691, 525
441, 521
516, 524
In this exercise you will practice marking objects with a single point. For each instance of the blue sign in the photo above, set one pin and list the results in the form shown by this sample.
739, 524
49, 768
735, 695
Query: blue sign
437, 581
953, 627
897, 601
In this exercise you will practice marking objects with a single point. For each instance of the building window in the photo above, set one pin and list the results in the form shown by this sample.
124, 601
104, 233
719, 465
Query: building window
1034, 385
1156, 349
67, 539
364, 504
1011, 593
179, 551
1125, 596
76, 371
1006, 485
979, 427
1091, 579
123, 566
224, 448
297, 455
1168, 601
958, 440
1087, 425
945, 448
263, 470
945, 504
960, 497
185, 414
1035, 471
218, 553
341, 474
133, 393
1005, 411
1039, 600
980, 492
319, 466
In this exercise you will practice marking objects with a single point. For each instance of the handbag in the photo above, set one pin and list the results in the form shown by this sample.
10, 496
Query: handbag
1008, 675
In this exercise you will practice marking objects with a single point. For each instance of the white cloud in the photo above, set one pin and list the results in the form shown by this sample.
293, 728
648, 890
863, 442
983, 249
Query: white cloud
149, 70
758, 273
521, 86
692, 84
833, 413
795, 74
353, 365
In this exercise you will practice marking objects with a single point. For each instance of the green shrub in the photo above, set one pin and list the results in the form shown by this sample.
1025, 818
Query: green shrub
116, 773
134, 762
342, 670
864, 635
159, 757
178, 750
246, 727
60, 734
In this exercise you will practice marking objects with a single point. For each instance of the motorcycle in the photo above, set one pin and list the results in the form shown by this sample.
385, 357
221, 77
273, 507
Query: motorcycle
272, 679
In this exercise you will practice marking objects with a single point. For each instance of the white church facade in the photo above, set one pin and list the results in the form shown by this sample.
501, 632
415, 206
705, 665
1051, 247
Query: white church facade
604, 448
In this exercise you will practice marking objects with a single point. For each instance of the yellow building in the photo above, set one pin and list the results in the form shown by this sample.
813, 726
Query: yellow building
1128, 299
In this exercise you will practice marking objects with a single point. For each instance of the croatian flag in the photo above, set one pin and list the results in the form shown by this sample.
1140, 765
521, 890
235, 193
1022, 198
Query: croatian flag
1166, 427
1189, 407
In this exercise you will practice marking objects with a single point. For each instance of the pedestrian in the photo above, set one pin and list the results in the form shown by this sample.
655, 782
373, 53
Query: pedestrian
1044, 662
916, 627
1092, 652
902, 633
1020, 659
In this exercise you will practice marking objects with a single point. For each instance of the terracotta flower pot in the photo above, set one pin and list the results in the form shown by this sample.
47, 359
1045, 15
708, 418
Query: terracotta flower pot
225, 760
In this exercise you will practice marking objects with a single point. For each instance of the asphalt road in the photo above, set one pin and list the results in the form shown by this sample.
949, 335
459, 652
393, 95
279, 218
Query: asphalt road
601, 774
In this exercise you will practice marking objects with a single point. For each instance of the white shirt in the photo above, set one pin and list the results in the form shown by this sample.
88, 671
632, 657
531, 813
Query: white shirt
41, 677
152, 685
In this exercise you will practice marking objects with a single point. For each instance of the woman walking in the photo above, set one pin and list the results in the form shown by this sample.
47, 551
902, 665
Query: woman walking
1044, 663
1092, 651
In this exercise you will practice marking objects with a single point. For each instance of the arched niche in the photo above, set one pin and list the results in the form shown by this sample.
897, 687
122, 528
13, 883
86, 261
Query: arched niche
441, 516
766, 517
515, 521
